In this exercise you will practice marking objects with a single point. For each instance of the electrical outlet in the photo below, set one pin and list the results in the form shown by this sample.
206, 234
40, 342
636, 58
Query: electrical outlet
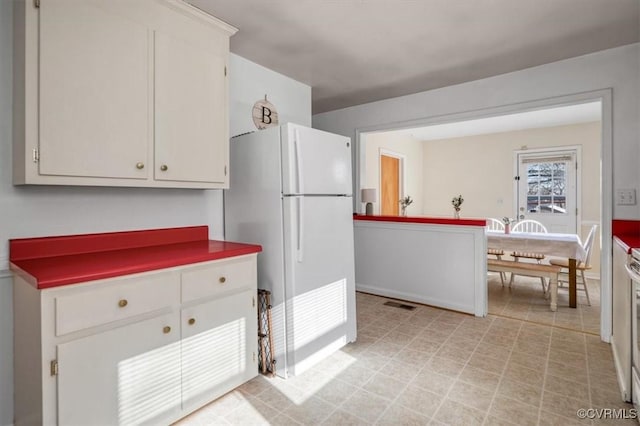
626, 197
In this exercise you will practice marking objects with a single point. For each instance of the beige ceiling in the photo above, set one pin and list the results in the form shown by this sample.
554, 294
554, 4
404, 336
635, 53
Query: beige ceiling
356, 51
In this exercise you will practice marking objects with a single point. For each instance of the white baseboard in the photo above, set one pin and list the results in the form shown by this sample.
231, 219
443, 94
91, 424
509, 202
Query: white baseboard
414, 298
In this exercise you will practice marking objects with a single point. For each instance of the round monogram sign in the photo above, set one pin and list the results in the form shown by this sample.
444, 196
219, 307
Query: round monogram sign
264, 114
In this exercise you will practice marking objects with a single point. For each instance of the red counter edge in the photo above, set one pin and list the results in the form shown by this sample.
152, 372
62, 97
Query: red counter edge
626, 233
35, 248
424, 220
65, 247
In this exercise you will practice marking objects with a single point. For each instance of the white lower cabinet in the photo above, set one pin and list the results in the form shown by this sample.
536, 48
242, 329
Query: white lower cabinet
104, 381
136, 360
226, 331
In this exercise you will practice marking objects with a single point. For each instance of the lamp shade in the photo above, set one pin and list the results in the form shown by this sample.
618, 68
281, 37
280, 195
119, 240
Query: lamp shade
368, 195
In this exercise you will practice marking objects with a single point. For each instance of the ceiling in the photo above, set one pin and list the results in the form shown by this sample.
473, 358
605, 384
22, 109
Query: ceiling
558, 116
356, 51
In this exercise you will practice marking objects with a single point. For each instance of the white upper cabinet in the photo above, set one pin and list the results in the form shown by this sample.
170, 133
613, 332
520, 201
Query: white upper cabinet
94, 91
190, 111
120, 93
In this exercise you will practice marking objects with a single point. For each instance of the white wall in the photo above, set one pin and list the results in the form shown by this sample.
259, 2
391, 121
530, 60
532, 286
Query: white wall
411, 150
250, 82
52, 210
489, 161
617, 69
481, 168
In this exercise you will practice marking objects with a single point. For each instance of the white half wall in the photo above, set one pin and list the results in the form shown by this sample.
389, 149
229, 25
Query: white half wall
27, 211
412, 261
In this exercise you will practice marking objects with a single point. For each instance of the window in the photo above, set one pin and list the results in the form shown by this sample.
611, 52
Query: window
546, 187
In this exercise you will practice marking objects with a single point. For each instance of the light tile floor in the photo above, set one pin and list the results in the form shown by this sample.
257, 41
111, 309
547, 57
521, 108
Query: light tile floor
431, 366
525, 300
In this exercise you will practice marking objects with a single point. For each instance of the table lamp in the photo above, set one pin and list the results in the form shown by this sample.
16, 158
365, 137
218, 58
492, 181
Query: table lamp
368, 195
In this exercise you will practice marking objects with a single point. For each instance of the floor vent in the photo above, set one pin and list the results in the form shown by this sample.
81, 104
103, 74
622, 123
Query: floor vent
400, 305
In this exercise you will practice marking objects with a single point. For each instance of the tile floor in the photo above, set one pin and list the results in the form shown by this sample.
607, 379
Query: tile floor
431, 366
524, 300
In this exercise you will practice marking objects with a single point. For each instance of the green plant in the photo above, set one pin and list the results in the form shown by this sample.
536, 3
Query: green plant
405, 201
457, 202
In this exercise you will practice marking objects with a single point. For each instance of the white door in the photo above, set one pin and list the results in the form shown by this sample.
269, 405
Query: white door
315, 162
547, 189
94, 91
191, 135
128, 375
219, 346
319, 278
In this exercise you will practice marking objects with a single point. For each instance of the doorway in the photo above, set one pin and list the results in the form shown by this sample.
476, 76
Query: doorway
390, 183
601, 183
548, 185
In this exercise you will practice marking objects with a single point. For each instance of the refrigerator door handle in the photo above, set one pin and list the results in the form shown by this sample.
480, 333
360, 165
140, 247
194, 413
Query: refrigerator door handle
296, 139
300, 223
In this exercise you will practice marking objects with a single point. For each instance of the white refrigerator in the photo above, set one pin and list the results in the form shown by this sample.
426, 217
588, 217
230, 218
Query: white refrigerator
290, 191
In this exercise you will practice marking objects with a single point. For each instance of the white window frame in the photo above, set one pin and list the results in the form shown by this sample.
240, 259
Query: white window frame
552, 151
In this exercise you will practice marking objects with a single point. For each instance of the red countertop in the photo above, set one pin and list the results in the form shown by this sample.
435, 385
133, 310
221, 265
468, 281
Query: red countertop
54, 261
422, 219
626, 233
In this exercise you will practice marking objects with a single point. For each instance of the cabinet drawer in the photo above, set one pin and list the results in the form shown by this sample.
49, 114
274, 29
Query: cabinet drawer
115, 300
217, 278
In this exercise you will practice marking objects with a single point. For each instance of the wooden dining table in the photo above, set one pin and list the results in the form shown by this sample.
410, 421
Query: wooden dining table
551, 244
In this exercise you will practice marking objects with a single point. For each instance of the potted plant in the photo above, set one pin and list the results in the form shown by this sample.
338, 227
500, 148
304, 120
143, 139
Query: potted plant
404, 203
507, 224
457, 202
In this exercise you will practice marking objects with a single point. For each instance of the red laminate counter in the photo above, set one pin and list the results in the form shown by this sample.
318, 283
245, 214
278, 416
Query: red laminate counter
54, 261
421, 219
626, 233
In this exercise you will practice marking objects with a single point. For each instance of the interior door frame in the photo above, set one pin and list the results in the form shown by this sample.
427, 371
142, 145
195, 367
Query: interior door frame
401, 173
557, 149
604, 96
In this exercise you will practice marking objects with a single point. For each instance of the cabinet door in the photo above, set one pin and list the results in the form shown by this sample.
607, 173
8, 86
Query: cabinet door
191, 137
94, 91
621, 320
219, 346
128, 375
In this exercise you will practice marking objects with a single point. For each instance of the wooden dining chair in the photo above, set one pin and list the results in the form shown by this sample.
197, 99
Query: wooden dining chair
580, 267
529, 225
496, 225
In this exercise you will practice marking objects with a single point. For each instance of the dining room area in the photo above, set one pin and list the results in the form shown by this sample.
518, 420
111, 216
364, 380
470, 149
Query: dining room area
521, 291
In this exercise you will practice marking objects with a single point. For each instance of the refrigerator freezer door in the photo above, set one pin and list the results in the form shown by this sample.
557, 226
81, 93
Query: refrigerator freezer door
319, 278
315, 162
